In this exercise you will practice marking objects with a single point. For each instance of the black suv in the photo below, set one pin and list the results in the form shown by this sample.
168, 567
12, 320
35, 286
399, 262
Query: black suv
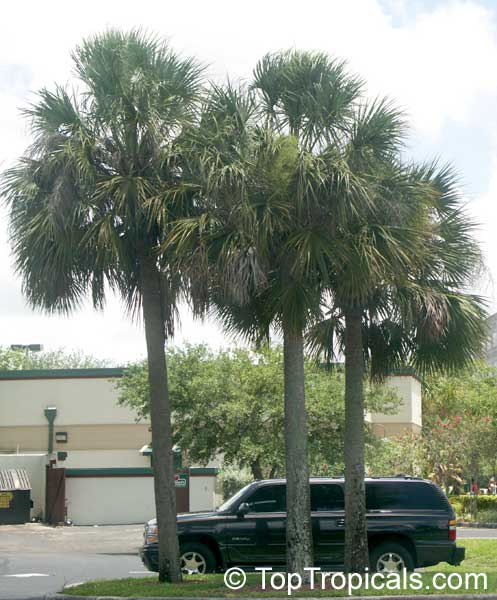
410, 524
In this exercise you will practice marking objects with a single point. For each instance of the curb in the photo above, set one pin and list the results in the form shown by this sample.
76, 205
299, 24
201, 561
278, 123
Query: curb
472, 525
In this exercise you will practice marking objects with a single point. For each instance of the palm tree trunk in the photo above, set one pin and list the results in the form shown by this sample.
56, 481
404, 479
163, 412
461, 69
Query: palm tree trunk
356, 543
160, 416
298, 524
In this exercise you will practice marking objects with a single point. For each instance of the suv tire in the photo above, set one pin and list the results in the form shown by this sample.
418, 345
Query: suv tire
196, 558
391, 557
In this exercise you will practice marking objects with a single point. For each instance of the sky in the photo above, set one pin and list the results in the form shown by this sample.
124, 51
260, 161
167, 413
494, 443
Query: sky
436, 59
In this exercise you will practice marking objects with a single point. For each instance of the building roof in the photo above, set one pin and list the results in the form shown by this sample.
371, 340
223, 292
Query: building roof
14, 479
62, 373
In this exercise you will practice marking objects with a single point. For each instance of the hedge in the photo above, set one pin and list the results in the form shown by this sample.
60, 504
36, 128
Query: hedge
466, 503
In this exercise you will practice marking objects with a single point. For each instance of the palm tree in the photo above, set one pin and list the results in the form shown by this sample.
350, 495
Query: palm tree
91, 202
261, 173
290, 222
398, 296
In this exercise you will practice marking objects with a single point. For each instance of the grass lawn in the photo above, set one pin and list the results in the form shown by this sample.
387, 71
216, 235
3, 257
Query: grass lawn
481, 557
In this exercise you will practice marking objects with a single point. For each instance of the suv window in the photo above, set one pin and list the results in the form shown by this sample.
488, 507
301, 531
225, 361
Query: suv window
268, 498
325, 496
412, 495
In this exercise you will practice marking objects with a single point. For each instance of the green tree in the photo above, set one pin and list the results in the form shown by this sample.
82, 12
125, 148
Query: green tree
11, 360
91, 200
457, 440
49, 359
230, 404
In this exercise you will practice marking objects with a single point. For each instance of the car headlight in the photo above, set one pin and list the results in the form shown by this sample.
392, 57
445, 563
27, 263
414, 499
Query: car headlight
150, 534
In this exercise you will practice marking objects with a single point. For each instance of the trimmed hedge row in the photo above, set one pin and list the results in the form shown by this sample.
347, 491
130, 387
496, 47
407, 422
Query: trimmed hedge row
466, 503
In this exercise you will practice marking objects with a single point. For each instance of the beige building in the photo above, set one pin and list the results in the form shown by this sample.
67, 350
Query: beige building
408, 416
70, 420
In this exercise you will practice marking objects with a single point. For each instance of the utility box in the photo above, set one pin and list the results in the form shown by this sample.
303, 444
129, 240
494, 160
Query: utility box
15, 496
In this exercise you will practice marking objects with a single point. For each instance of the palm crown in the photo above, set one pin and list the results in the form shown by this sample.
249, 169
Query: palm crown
90, 194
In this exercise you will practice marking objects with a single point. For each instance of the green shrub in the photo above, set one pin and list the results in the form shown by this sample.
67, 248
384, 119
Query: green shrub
487, 516
474, 507
232, 480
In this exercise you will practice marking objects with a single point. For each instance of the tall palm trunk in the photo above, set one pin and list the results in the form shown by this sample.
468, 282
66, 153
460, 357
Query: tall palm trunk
356, 544
160, 416
298, 524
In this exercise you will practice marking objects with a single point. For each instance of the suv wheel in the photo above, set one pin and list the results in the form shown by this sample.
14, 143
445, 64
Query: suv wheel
391, 557
196, 558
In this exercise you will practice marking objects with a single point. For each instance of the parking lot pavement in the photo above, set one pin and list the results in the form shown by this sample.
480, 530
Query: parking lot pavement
29, 576
34, 538
36, 560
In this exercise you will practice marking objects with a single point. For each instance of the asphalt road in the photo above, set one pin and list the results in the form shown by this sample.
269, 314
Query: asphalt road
475, 533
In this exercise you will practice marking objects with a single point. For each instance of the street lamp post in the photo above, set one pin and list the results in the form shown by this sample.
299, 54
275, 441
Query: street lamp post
27, 348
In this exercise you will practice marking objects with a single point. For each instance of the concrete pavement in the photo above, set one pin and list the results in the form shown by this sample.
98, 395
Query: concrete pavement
35, 537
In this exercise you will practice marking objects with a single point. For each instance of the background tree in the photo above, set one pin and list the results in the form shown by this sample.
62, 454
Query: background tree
230, 404
91, 200
458, 438
49, 359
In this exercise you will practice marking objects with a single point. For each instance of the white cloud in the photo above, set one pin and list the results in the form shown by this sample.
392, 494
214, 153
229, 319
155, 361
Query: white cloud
439, 64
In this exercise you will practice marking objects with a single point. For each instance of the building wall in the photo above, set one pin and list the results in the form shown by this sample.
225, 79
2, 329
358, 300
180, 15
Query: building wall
87, 410
100, 435
79, 401
202, 493
105, 459
408, 416
491, 351
79, 437
390, 430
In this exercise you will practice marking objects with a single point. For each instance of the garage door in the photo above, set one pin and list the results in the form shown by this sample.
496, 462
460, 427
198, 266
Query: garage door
110, 500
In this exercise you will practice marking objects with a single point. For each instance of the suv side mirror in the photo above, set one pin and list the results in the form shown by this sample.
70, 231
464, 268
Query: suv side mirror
243, 509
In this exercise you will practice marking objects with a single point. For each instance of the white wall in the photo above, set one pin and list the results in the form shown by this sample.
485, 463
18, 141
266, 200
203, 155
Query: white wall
79, 401
35, 467
202, 493
102, 459
110, 500
409, 411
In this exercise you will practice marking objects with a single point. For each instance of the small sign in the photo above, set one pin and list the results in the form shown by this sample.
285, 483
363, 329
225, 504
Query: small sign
180, 481
6, 499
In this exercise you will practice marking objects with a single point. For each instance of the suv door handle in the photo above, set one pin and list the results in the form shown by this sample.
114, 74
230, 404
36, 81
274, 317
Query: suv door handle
340, 522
